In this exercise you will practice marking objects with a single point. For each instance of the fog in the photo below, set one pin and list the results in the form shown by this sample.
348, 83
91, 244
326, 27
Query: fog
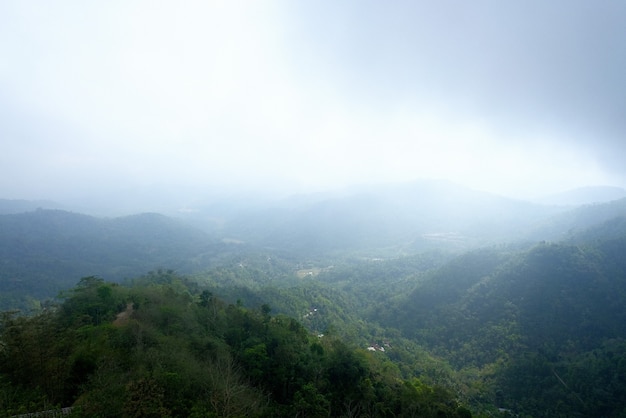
120, 100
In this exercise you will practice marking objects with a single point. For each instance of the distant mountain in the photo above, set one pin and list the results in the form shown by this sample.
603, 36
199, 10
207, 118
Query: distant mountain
584, 196
399, 217
570, 223
44, 251
407, 218
8, 206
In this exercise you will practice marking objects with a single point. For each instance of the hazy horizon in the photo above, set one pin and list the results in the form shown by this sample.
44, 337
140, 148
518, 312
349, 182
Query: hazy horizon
129, 98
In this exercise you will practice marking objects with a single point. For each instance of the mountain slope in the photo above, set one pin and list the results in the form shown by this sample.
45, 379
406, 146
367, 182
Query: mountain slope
45, 251
168, 350
536, 316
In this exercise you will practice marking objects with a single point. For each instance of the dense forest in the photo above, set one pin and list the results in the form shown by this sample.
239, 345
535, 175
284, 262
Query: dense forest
239, 320
162, 347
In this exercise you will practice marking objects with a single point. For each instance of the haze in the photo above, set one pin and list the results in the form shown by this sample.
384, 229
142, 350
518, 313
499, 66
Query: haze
120, 98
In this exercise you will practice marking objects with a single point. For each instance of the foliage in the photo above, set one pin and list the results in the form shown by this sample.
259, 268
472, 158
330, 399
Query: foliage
161, 348
530, 329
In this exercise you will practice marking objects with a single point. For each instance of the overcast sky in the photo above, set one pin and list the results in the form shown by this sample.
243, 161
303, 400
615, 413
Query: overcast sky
521, 98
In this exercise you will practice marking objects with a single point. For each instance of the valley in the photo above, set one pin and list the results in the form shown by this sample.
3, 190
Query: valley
501, 307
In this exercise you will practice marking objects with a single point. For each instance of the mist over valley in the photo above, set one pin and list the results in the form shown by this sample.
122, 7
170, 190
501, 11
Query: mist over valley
312, 209
475, 293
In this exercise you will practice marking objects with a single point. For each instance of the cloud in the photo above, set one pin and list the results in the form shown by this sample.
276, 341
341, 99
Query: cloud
303, 96
528, 66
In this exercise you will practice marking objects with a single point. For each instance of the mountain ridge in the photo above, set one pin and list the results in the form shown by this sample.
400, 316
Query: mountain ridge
45, 251
584, 196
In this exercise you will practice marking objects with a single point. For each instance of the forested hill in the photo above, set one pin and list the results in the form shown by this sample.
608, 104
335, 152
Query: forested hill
547, 322
44, 251
168, 349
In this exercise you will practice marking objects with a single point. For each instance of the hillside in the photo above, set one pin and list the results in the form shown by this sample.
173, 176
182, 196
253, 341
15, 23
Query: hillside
45, 251
536, 316
168, 349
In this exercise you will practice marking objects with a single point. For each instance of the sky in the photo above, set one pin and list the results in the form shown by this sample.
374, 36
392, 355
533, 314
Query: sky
126, 97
